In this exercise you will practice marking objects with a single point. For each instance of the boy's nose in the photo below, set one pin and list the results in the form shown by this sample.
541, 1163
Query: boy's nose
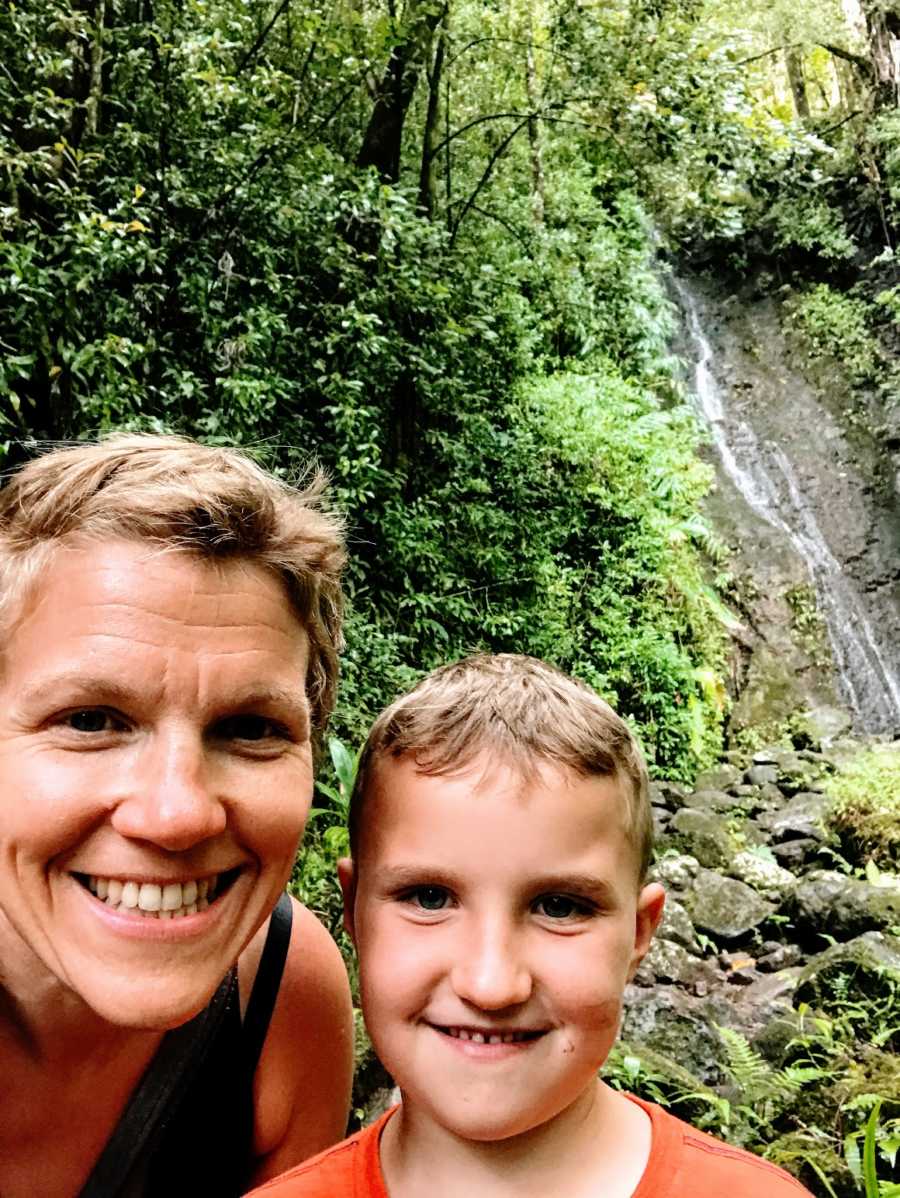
169, 798
490, 971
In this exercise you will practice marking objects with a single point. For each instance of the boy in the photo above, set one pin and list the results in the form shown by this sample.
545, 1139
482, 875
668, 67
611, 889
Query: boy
501, 833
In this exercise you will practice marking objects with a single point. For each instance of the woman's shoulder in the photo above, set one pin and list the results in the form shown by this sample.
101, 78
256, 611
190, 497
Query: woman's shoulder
303, 1080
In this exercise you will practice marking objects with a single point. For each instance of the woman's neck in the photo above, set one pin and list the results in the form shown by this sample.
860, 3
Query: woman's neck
43, 1019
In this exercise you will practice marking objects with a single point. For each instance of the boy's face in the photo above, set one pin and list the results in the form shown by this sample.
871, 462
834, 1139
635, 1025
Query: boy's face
497, 922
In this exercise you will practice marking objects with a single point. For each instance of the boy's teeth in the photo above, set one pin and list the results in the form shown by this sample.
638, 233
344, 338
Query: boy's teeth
462, 1033
170, 901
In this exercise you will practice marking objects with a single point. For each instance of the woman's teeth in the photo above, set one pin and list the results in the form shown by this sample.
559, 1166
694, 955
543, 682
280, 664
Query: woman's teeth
171, 901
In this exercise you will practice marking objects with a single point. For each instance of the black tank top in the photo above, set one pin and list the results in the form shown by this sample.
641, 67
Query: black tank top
188, 1129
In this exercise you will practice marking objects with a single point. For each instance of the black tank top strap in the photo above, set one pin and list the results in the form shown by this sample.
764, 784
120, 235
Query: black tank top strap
179, 1062
266, 984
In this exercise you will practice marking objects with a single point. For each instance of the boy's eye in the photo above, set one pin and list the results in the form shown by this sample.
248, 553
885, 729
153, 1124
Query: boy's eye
93, 719
561, 907
428, 898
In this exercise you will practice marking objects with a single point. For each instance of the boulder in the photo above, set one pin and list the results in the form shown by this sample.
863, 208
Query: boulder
667, 794
872, 961
669, 1021
724, 907
797, 855
774, 957
825, 901
705, 834
802, 818
722, 801
763, 873
675, 871
767, 756
720, 777
669, 962
676, 925
709, 800
762, 775
775, 1038
824, 725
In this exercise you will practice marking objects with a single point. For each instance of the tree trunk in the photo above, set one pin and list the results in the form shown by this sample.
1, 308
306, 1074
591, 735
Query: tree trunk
428, 173
95, 93
384, 135
793, 61
882, 19
534, 133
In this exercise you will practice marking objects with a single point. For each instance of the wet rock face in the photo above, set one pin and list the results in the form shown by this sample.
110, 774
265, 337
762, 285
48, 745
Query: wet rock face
750, 908
806, 499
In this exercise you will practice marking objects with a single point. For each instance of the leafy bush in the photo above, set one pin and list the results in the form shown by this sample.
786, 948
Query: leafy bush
836, 325
866, 810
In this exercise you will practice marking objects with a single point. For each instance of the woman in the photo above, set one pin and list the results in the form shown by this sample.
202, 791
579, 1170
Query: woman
170, 617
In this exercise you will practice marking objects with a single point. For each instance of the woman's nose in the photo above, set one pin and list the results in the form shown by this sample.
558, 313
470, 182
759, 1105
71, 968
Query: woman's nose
170, 798
490, 970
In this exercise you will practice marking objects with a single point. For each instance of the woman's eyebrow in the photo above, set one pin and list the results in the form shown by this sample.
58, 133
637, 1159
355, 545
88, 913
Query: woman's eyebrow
76, 683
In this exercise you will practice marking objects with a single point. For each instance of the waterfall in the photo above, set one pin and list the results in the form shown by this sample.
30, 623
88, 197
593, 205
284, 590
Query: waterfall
764, 476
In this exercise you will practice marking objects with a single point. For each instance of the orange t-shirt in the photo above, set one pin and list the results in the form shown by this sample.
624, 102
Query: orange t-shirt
684, 1163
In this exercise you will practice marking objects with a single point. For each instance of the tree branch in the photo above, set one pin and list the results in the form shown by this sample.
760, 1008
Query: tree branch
768, 53
847, 56
260, 41
488, 171
833, 128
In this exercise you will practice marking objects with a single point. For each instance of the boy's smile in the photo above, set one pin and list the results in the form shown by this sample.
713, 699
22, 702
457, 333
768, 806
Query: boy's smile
497, 922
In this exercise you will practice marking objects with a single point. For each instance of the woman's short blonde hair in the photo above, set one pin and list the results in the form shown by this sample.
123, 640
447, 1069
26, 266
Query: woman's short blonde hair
523, 712
177, 494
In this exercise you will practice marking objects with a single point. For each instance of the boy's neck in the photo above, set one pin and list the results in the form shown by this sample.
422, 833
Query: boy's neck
598, 1145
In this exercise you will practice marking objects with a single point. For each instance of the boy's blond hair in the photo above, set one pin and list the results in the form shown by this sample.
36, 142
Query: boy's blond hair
521, 710
177, 494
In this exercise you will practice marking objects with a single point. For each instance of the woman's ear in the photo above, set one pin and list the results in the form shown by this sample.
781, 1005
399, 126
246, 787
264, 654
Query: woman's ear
347, 879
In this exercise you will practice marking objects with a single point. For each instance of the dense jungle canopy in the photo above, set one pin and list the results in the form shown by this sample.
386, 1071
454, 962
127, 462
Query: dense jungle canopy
421, 242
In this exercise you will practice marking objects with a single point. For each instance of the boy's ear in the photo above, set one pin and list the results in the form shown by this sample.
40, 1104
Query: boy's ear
650, 906
347, 879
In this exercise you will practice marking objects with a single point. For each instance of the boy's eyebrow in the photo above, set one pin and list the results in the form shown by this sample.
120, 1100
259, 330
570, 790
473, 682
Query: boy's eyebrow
399, 877
579, 883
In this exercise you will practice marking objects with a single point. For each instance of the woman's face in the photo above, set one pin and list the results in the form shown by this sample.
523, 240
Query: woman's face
155, 776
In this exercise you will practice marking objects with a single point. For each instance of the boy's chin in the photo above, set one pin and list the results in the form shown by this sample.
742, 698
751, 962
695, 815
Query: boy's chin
502, 1123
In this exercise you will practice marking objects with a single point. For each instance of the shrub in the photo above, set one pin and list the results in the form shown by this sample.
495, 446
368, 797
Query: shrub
866, 811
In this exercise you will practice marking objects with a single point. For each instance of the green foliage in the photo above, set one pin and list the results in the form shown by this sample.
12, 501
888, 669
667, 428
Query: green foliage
836, 325
866, 810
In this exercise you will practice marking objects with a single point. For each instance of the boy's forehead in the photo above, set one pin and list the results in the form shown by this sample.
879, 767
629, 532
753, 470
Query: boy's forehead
396, 782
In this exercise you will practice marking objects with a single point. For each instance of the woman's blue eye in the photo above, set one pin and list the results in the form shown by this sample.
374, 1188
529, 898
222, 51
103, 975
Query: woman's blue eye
559, 906
249, 727
430, 898
92, 719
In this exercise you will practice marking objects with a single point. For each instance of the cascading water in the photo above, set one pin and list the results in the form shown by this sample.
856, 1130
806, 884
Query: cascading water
868, 669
